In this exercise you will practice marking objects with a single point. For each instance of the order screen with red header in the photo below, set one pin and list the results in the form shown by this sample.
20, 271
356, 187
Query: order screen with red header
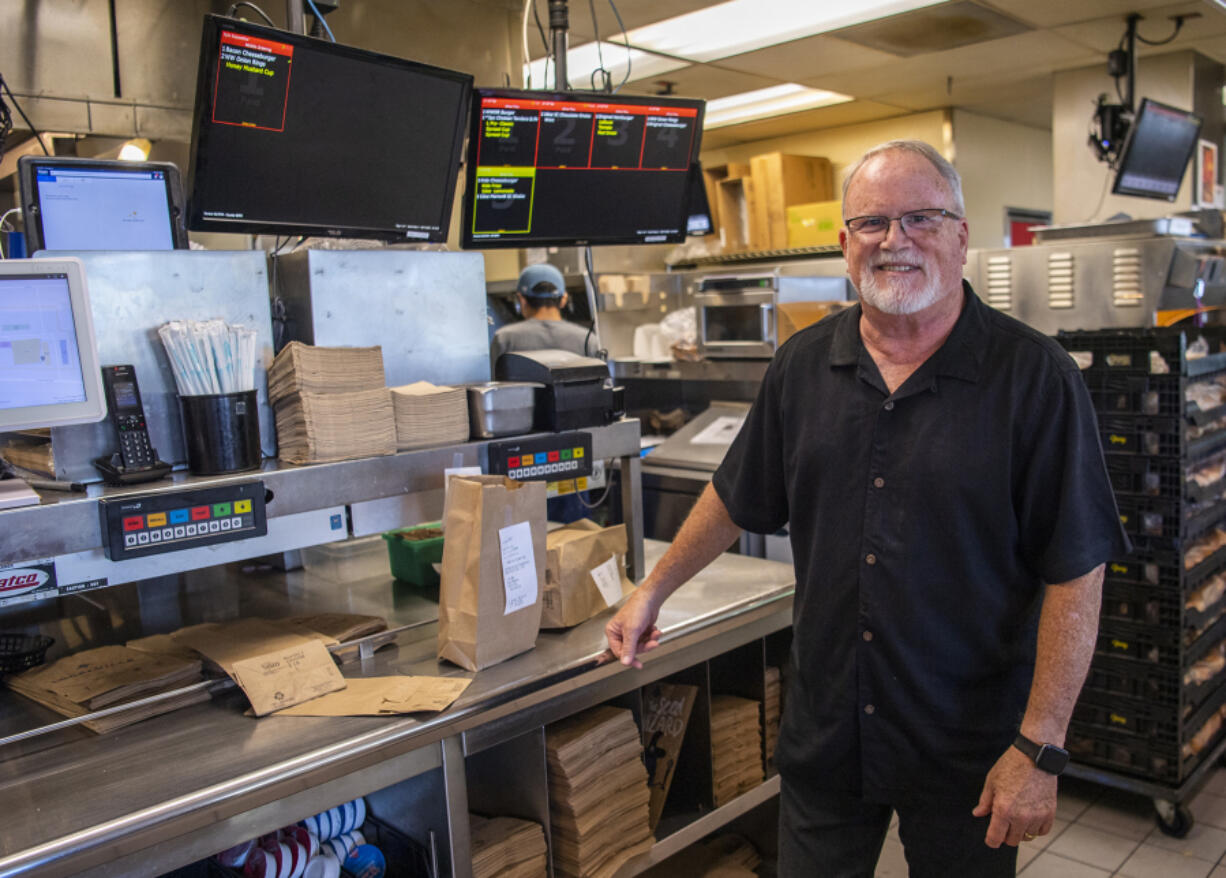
552, 168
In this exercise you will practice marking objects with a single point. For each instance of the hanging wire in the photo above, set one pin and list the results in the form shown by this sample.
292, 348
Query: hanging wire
8, 91
258, 11
319, 17
626, 41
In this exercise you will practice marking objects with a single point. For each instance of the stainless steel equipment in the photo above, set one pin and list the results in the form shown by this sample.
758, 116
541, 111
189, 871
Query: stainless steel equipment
501, 408
131, 295
739, 315
1097, 282
425, 309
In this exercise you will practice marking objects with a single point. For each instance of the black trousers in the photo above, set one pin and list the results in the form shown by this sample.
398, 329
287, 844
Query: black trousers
828, 835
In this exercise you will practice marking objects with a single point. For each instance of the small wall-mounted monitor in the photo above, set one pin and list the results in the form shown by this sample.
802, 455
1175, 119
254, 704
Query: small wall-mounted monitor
576, 168
49, 373
97, 204
1156, 153
298, 136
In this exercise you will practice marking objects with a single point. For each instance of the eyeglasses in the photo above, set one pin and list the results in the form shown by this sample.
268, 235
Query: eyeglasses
915, 223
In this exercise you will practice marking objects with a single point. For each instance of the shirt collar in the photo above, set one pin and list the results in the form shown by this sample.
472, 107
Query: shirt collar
959, 357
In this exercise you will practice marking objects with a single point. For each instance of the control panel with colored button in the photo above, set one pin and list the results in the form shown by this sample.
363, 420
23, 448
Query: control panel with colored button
543, 458
146, 524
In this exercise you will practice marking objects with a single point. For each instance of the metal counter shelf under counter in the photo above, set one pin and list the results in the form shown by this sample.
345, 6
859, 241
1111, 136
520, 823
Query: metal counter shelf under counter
177, 788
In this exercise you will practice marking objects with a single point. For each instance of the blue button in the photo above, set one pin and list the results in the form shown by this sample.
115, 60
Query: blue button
337, 522
543, 457
178, 516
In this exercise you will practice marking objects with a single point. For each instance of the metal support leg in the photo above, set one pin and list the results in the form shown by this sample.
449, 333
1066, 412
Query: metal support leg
632, 511
456, 785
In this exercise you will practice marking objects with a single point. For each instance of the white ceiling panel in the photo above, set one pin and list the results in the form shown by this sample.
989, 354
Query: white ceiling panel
1105, 34
634, 13
704, 81
996, 60
809, 120
812, 56
1054, 13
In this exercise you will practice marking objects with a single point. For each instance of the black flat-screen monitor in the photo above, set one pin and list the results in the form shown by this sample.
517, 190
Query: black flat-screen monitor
1156, 153
576, 168
298, 136
99, 204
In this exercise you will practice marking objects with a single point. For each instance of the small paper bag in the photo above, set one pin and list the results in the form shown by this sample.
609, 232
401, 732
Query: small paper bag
585, 572
493, 575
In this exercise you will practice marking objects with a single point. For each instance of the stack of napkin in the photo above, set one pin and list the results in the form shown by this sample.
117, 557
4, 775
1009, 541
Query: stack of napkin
428, 414
598, 792
507, 848
736, 746
331, 403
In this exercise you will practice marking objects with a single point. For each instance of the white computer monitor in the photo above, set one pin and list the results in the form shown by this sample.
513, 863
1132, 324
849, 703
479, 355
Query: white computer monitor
49, 371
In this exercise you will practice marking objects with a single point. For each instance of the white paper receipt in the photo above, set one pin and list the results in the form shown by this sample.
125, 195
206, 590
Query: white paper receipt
608, 581
518, 566
721, 431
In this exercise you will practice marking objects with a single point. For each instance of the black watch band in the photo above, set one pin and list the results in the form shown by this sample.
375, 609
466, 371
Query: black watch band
1046, 757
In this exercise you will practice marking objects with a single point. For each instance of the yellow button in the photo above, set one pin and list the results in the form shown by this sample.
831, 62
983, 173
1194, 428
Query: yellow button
581, 483
578, 452
241, 506
157, 519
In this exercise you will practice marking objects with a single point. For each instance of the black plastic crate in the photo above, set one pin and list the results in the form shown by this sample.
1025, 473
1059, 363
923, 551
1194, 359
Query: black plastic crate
1139, 604
1151, 760
1144, 644
1136, 719
1137, 394
1128, 351
1161, 566
1111, 678
1139, 475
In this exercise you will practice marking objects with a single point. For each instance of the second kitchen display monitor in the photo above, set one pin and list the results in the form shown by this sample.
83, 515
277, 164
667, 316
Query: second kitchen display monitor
576, 168
298, 136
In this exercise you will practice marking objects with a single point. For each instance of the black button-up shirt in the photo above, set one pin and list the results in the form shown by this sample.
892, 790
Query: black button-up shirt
923, 525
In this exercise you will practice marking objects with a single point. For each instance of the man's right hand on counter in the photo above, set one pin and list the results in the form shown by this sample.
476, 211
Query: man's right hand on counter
633, 629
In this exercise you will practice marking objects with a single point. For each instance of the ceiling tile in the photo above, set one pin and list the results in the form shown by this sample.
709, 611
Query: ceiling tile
1054, 13
808, 120
933, 29
1104, 34
704, 81
634, 13
811, 56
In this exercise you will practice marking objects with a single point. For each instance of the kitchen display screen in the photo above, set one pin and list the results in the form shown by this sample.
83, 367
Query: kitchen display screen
573, 168
294, 135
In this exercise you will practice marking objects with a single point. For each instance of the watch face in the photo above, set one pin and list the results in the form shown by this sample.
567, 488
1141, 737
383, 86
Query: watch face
1051, 759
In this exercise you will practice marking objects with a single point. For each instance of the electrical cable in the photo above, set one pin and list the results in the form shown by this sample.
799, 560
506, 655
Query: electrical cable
1101, 197
626, 41
1178, 19
5, 86
590, 286
6, 125
606, 78
608, 483
319, 17
527, 58
541, 29
258, 11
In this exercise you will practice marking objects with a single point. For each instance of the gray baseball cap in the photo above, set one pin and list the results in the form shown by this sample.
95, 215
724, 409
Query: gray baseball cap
542, 281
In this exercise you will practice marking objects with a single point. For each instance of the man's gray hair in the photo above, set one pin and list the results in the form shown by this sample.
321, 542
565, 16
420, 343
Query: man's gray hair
944, 168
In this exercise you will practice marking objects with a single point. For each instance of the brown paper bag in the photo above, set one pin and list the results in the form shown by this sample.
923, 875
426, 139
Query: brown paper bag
475, 629
575, 555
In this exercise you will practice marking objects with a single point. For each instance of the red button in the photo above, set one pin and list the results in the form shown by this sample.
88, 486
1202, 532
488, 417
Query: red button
199, 513
553, 457
135, 522
512, 463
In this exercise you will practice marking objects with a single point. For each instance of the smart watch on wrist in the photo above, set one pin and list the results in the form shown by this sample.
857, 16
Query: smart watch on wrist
1046, 757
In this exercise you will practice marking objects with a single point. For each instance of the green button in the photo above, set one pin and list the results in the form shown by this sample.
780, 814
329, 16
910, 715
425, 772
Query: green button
221, 510
565, 454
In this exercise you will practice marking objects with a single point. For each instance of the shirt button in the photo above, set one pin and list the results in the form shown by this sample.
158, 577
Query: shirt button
879, 482
869, 709
870, 558
889, 406
867, 635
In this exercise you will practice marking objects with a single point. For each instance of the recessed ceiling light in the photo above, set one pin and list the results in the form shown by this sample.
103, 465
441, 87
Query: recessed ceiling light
777, 100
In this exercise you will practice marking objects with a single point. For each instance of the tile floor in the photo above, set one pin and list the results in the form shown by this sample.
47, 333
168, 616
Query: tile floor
1100, 832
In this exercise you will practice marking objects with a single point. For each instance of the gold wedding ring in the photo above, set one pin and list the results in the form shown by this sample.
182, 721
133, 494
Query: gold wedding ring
1027, 836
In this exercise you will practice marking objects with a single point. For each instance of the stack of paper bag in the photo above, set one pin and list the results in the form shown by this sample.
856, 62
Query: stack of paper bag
429, 414
504, 847
598, 797
108, 676
318, 427
771, 710
303, 368
736, 746
331, 404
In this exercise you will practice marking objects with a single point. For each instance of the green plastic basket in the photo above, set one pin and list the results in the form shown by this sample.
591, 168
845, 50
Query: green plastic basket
413, 560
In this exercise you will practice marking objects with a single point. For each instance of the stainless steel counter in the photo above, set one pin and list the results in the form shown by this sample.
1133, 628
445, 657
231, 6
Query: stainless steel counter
176, 788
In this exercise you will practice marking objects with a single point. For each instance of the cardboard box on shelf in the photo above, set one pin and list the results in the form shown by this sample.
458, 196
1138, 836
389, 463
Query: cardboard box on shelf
711, 178
814, 224
780, 181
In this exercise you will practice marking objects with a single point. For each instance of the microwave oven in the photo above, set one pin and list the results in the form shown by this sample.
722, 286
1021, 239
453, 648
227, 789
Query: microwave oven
738, 316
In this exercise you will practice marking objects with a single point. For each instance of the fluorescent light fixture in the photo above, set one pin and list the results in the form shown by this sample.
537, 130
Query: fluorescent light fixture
582, 61
778, 100
739, 26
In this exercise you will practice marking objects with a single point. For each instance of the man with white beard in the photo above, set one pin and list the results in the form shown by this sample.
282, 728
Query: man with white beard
938, 466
